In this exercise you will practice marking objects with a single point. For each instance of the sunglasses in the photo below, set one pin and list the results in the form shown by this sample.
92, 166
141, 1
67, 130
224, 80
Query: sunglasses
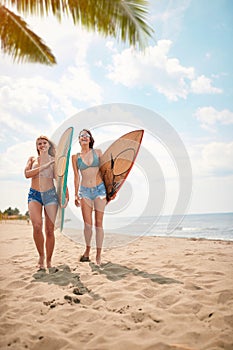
84, 135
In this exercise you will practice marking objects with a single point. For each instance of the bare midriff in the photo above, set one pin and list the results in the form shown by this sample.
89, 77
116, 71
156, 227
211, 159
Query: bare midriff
42, 184
91, 177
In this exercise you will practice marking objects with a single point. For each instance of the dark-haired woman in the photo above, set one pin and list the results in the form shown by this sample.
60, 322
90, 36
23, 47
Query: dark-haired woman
90, 192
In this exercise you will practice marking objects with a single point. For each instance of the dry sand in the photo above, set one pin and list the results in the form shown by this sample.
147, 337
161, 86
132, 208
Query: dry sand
153, 294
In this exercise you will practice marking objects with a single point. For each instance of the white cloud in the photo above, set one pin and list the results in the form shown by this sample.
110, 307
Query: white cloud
212, 159
218, 157
14, 194
76, 81
34, 98
22, 95
12, 126
14, 159
211, 194
209, 117
78, 84
28, 107
35, 104
152, 68
203, 85
110, 45
25, 96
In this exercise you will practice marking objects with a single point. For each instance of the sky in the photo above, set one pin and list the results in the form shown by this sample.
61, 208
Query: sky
182, 81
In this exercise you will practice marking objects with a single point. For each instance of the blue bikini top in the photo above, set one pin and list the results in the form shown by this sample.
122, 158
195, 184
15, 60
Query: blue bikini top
83, 166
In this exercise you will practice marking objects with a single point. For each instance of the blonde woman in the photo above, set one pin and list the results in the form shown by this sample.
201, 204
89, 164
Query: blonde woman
42, 195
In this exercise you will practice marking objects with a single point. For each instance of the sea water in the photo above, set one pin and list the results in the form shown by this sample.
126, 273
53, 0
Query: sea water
208, 226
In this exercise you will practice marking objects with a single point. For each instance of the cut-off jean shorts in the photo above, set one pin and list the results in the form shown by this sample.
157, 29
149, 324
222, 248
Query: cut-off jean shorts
44, 198
92, 193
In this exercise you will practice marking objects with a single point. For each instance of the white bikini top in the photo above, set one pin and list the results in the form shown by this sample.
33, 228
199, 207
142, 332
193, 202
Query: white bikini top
47, 172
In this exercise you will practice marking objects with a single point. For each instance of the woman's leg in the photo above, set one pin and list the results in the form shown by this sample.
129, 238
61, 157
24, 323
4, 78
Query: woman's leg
50, 216
99, 206
35, 212
87, 207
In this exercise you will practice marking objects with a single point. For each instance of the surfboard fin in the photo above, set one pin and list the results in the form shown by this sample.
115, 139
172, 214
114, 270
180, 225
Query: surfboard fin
112, 162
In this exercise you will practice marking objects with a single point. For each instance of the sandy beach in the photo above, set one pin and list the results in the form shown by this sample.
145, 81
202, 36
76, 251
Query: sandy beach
157, 293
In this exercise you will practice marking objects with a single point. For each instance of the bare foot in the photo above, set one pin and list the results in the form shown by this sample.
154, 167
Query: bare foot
85, 256
41, 262
98, 260
49, 264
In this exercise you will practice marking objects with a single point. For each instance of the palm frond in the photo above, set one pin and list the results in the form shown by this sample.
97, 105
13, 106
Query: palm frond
137, 30
125, 20
38, 8
20, 42
122, 19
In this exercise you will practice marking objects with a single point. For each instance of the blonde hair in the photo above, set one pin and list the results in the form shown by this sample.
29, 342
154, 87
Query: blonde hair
52, 148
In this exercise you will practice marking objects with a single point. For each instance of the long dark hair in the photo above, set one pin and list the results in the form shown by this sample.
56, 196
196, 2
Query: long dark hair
52, 149
92, 141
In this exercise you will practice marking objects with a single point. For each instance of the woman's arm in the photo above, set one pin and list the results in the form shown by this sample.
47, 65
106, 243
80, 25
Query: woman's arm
28, 169
29, 172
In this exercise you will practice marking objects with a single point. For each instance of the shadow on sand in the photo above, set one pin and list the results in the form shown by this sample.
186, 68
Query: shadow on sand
116, 272
63, 276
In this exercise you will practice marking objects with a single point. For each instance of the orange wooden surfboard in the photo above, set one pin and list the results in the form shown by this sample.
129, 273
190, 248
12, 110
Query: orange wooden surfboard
118, 159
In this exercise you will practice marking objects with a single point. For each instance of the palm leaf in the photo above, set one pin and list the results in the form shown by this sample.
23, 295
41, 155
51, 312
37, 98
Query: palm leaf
122, 19
20, 42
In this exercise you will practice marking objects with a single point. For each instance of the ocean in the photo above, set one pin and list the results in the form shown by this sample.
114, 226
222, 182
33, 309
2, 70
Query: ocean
208, 226
123, 230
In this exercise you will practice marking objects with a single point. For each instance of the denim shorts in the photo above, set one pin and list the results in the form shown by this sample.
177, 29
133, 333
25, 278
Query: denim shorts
44, 198
92, 193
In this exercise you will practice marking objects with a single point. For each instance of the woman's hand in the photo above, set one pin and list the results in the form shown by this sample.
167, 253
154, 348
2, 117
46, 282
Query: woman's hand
67, 199
46, 165
77, 201
65, 204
